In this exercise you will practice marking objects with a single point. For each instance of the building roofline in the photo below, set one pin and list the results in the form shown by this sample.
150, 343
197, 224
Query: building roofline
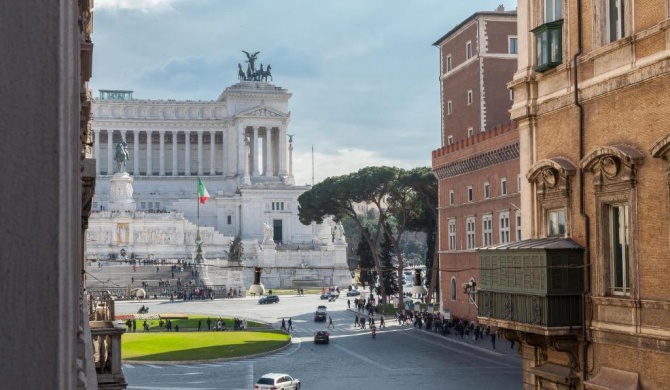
472, 17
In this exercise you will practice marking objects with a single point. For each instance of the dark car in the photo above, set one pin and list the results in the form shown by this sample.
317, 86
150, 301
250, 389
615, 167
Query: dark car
353, 293
269, 299
321, 336
330, 295
320, 314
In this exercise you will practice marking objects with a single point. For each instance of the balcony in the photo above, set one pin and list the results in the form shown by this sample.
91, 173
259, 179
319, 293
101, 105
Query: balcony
106, 336
533, 286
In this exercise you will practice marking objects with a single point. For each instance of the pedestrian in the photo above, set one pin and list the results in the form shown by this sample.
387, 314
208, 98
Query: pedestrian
512, 344
145, 326
209, 323
283, 324
157, 269
290, 324
330, 322
381, 322
199, 325
348, 304
493, 339
132, 280
356, 321
134, 325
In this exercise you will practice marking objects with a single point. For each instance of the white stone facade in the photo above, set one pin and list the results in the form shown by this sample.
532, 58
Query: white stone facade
239, 147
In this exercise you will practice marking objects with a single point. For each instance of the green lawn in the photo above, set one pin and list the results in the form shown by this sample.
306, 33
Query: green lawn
185, 346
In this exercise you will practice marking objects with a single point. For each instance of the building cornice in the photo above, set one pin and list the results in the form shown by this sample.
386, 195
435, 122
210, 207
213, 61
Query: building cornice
479, 161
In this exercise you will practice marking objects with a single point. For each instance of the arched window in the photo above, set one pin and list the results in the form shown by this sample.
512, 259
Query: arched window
453, 288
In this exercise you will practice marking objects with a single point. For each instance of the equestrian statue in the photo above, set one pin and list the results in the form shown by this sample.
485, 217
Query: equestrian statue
121, 156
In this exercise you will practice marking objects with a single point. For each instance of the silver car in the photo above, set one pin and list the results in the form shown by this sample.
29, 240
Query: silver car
273, 381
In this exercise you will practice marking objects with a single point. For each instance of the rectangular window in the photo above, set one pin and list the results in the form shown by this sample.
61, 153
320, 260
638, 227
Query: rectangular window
471, 131
449, 66
615, 20
151, 205
450, 107
513, 45
619, 249
503, 186
470, 194
468, 50
511, 94
158, 205
469, 97
450, 140
143, 205
470, 232
452, 234
518, 183
230, 220
487, 190
487, 229
451, 197
556, 222
552, 10
504, 227
518, 225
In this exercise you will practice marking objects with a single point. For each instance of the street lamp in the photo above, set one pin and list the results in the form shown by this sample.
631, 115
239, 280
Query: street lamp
418, 287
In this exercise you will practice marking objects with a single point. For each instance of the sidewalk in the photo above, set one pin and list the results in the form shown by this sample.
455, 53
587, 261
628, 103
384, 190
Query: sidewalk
483, 345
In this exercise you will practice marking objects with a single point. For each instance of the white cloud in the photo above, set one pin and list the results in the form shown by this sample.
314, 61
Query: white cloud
343, 162
139, 5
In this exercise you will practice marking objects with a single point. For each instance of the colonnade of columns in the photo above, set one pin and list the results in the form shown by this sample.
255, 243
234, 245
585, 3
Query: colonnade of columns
267, 159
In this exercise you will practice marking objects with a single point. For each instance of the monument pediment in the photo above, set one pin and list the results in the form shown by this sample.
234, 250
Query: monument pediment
262, 111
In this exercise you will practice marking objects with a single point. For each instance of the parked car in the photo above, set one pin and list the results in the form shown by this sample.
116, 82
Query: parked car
321, 314
321, 336
273, 381
353, 293
330, 295
269, 299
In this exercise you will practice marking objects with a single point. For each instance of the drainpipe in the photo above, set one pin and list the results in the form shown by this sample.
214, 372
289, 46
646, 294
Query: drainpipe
582, 192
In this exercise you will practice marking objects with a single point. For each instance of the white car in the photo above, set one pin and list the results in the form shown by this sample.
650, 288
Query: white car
273, 381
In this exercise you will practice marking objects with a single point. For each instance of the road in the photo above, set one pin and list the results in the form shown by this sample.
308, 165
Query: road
400, 357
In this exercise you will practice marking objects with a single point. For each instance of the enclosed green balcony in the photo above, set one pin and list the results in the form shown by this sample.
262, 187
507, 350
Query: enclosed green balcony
533, 285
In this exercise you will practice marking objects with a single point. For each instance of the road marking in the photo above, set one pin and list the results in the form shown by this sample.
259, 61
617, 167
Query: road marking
155, 366
363, 358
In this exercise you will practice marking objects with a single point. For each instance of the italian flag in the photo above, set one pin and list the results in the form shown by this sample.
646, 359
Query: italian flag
202, 192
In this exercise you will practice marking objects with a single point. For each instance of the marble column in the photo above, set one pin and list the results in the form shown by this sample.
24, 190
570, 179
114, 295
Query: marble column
282, 150
110, 152
199, 153
150, 168
161, 153
254, 153
212, 153
187, 153
175, 148
136, 152
96, 150
241, 149
267, 160
224, 155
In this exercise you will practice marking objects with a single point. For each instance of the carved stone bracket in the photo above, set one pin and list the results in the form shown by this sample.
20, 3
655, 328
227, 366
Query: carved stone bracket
537, 341
569, 346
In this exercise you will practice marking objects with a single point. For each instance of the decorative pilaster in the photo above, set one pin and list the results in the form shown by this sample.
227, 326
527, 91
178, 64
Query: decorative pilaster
242, 151
282, 151
161, 153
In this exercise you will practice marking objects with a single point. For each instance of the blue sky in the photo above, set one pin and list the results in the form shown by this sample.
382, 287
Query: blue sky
363, 73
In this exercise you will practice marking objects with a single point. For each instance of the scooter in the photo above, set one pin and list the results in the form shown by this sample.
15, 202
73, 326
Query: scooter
374, 332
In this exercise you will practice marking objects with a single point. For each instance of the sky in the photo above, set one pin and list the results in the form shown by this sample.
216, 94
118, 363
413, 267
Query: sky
363, 73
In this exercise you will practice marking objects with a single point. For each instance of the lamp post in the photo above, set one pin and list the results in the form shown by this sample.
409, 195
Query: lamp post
257, 287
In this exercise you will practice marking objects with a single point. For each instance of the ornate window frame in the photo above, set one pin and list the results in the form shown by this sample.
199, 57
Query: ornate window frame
661, 149
551, 180
614, 170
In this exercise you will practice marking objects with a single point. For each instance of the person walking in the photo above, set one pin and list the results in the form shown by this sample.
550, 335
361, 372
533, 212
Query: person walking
199, 325
209, 323
348, 304
493, 339
356, 321
290, 324
330, 322
283, 324
381, 322
134, 325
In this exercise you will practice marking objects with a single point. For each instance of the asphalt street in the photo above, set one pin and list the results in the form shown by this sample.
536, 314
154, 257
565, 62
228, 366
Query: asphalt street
400, 357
